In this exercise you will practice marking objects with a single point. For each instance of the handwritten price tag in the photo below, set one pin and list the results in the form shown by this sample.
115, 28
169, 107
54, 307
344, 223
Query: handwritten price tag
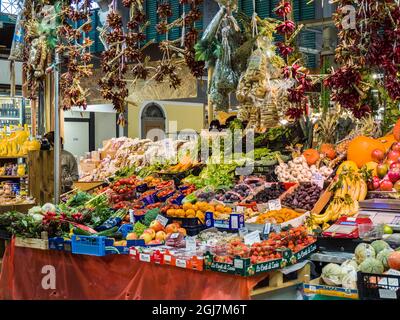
243, 232
163, 220
318, 179
274, 204
252, 237
190, 244
267, 228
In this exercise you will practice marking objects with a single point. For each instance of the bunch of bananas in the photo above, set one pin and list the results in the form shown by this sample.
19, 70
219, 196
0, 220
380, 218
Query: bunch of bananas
349, 189
351, 184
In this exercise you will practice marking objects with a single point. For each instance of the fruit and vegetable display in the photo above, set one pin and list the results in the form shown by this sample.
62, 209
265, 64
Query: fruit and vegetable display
304, 196
278, 216
375, 258
269, 192
302, 168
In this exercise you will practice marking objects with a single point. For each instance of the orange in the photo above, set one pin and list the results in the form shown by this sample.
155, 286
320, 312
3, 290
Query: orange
180, 213
190, 213
219, 208
227, 210
171, 212
187, 206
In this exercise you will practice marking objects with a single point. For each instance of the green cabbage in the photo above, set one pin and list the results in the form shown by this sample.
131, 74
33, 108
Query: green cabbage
383, 257
364, 251
371, 265
349, 265
349, 280
48, 207
332, 274
379, 245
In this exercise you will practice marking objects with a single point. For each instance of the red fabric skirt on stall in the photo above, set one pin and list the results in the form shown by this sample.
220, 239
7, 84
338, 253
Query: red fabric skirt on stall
29, 274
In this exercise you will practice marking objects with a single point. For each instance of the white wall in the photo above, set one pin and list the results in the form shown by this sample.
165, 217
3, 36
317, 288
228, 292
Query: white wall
105, 127
5, 72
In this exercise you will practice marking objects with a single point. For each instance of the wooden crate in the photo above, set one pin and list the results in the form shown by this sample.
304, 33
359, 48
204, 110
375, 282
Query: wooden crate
23, 208
32, 243
87, 186
41, 175
277, 281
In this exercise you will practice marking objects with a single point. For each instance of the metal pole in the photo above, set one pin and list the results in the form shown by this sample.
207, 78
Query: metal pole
57, 147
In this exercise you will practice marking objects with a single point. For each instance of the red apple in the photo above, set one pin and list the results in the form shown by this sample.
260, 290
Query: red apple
389, 162
386, 185
394, 175
395, 165
397, 186
393, 155
374, 184
382, 170
156, 225
395, 146
377, 155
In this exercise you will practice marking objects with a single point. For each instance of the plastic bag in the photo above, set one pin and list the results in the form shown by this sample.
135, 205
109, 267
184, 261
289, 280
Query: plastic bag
17, 47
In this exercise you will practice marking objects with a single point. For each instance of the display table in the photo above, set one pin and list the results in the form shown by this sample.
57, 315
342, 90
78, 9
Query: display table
111, 277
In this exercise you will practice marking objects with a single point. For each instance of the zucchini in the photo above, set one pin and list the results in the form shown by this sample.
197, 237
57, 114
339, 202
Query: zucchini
108, 232
80, 232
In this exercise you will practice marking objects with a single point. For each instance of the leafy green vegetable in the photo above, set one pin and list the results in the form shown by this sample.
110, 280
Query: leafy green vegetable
150, 216
78, 199
138, 228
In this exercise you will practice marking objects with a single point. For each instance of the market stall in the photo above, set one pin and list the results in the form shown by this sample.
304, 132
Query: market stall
293, 180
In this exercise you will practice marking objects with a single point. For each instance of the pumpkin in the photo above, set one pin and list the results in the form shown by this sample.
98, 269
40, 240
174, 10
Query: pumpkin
387, 141
394, 260
328, 150
371, 166
311, 155
396, 130
360, 149
347, 166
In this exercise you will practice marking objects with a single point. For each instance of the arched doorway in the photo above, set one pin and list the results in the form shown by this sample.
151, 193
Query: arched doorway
153, 119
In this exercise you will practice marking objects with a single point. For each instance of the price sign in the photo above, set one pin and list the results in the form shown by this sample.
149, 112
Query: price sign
163, 220
239, 209
243, 232
267, 228
252, 237
175, 235
318, 179
131, 217
274, 204
181, 263
190, 244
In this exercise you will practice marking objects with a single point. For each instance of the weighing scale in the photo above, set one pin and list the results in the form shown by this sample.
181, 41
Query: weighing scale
381, 211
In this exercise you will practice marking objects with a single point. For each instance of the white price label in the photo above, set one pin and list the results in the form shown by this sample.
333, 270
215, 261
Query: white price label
180, 263
167, 258
274, 204
239, 209
387, 294
252, 237
238, 263
190, 244
243, 231
318, 179
144, 257
163, 220
234, 222
267, 228
175, 235
131, 217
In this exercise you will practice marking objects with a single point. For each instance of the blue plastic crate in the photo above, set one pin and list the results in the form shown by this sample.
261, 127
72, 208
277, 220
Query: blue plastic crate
125, 229
59, 243
90, 245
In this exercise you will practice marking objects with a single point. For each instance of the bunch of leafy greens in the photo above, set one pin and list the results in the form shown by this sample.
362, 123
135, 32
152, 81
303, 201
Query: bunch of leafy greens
20, 224
138, 228
150, 216
78, 199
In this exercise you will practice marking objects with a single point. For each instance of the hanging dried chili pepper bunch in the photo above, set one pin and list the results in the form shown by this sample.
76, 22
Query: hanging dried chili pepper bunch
164, 12
368, 43
299, 74
112, 85
167, 70
74, 49
191, 36
134, 37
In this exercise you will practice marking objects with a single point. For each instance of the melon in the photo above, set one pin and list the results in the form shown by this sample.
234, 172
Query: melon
379, 245
371, 265
364, 251
383, 257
